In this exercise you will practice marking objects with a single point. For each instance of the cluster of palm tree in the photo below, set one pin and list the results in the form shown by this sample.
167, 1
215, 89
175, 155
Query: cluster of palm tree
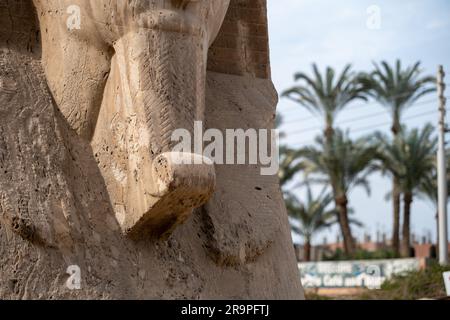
341, 164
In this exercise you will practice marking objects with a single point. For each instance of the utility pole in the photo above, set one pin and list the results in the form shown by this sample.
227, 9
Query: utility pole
442, 172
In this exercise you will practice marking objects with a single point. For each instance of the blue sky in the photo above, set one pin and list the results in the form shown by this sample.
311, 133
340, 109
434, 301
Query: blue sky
335, 33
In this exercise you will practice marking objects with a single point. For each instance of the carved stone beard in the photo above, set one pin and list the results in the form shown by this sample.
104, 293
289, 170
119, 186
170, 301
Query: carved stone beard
126, 82
166, 74
158, 82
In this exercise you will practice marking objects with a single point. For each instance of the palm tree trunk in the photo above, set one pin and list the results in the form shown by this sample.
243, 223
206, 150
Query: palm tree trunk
329, 133
349, 243
307, 250
396, 217
396, 127
406, 232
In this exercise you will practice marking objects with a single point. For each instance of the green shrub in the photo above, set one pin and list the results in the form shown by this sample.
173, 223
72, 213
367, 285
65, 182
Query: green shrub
412, 285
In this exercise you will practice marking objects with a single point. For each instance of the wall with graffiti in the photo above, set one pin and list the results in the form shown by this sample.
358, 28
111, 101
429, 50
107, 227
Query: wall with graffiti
350, 274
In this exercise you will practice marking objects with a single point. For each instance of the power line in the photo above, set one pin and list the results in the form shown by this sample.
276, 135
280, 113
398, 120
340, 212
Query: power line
350, 107
388, 123
357, 118
371, 126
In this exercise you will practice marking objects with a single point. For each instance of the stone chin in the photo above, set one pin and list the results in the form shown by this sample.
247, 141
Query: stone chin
126, 86
199, 18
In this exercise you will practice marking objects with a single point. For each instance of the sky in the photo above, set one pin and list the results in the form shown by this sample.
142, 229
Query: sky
334, 33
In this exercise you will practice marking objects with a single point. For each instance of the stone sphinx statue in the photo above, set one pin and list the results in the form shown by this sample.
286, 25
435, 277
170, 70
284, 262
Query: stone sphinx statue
91, 92
150, 57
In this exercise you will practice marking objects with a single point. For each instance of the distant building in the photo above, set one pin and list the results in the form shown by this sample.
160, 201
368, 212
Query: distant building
424, 249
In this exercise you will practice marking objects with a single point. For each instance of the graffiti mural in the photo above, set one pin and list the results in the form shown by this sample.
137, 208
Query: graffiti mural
350, 274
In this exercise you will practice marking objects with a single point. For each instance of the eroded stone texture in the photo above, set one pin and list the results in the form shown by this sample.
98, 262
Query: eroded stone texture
242, 46
56, 209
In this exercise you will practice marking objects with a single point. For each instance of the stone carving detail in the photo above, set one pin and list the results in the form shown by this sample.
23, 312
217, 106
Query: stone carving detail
139, 74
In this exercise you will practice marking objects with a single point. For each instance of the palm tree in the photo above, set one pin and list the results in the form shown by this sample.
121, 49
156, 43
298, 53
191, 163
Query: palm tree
326, 95
290, 164
411, 156
279, 119
312, 216
429, 191
396, 89
344, 165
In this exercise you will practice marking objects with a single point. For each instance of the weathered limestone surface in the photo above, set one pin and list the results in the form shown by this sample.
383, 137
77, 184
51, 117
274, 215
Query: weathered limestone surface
55, 199
129, 74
